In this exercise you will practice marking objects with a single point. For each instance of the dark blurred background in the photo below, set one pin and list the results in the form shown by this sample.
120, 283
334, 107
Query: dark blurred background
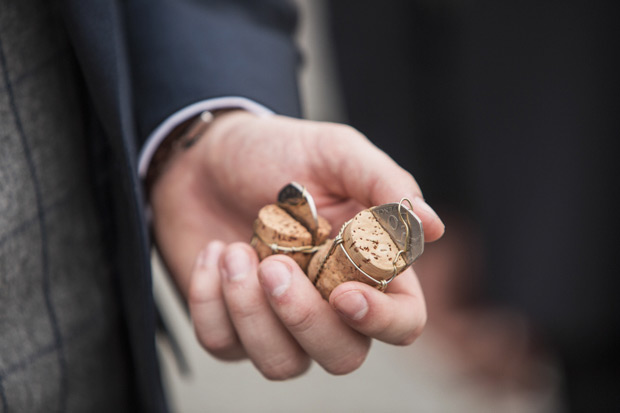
507, 113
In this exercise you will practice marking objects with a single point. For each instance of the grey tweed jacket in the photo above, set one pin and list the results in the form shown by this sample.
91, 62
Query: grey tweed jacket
62, 343
82, 83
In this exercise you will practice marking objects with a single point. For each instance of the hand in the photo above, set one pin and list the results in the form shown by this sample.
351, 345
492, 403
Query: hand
214, 190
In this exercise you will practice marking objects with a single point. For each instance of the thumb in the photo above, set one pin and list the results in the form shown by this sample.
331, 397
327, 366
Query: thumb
363, 172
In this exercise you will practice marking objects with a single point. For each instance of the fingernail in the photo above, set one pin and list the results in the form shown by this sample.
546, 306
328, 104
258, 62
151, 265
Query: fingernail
352, 304
237, 264
275, 277
210, 255
420, 204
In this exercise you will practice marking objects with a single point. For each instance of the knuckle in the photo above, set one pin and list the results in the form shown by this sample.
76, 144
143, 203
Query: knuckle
348, 363
340, 136
421, 320
217, 343
416, 330
284, 367
200, 290
409, 338
197, 293
352, 135
223, 345
300, 320
347, 131
248, 309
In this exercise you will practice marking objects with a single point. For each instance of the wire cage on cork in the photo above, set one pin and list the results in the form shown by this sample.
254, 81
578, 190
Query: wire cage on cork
374, 247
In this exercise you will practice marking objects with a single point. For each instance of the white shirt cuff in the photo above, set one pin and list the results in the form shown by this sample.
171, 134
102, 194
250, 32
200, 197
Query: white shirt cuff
158, 135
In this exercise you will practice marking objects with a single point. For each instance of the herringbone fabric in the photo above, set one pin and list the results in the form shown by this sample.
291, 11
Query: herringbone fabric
60, 337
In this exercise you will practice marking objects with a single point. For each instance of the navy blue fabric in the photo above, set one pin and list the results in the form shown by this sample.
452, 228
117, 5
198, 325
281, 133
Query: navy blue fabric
97, 34
181, 52
184, 51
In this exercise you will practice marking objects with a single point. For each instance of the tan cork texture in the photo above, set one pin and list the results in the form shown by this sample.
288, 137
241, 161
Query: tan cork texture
275, 226
371, 248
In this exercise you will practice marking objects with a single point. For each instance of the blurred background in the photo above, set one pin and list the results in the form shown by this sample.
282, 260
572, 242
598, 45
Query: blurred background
506, 112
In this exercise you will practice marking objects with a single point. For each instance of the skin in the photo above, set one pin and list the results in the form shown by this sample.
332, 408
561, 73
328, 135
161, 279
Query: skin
204, 204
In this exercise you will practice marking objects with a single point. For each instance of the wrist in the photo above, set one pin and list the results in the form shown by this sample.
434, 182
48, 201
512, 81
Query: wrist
178, 141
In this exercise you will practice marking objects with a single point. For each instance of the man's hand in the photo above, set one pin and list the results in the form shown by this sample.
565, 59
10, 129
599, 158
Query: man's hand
270, 312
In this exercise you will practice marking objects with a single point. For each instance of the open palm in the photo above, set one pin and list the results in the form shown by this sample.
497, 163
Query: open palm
213, 191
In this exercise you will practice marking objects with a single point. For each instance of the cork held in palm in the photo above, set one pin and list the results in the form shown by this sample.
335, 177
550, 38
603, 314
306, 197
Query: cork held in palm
373, 247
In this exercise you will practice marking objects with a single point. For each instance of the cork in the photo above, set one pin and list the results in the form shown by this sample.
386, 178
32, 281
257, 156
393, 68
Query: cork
275, 226
369, 245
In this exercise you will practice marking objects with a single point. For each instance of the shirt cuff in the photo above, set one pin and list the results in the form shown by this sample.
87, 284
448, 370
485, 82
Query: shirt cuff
158, 135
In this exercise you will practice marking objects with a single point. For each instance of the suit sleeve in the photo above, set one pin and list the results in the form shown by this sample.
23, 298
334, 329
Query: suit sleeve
185, 51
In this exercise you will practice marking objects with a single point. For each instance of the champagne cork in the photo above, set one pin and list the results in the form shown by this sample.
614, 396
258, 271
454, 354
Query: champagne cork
372, 248
277, 232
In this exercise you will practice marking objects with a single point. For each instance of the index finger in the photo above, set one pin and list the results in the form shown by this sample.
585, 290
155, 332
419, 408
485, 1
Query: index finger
315, 326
